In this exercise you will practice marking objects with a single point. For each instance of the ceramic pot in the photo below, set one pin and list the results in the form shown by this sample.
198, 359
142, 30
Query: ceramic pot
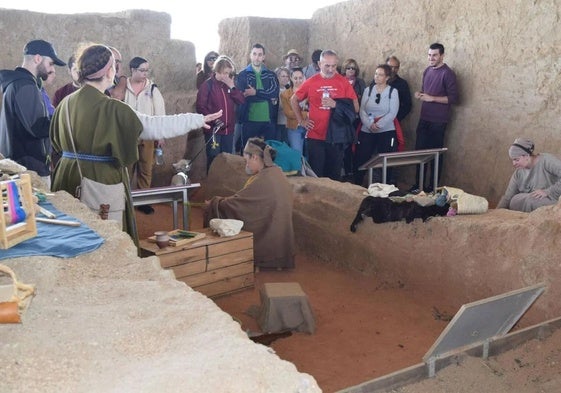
162, 238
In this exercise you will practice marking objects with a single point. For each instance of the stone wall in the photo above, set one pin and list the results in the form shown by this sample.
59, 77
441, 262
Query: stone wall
237, 35
506, 56
134, 33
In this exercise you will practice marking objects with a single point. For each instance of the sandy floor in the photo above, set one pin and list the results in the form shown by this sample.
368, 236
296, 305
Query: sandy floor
364, 329
530, 368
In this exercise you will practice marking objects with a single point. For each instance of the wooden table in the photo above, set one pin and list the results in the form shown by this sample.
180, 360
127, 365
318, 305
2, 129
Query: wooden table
213, 265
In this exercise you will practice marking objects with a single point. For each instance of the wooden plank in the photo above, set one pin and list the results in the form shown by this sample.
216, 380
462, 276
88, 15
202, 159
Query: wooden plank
229, 285
182, 257
213, 238
219, 274
227, 247
232, 258
188, 269
391, 381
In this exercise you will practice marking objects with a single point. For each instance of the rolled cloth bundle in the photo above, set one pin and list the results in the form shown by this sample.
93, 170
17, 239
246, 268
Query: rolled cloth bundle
467, 203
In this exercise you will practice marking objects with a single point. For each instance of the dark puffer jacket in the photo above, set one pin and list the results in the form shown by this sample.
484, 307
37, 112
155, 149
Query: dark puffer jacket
341, 122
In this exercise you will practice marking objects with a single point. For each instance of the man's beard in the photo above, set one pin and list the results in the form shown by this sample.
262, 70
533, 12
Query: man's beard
42, 73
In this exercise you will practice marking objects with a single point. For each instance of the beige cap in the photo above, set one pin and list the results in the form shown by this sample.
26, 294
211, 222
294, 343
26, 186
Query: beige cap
292, 52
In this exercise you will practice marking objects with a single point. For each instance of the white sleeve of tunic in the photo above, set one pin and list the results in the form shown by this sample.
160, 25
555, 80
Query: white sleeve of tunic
169, 126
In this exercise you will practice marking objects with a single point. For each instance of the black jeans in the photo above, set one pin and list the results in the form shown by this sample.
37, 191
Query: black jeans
326, 159
261, 129
221, 144
370, 144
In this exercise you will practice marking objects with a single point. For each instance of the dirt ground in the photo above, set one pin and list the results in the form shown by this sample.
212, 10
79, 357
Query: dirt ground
366, 329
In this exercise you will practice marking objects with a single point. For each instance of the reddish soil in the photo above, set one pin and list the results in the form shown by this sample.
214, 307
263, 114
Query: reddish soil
364, 329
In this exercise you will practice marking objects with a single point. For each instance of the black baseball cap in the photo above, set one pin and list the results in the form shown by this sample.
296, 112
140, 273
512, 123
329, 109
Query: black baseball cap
43, 48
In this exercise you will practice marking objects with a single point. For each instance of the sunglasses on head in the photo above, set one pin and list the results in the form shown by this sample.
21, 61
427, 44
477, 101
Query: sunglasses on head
377, 101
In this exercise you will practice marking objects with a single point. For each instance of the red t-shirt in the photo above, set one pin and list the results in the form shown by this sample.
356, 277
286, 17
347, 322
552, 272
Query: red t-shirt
312, 89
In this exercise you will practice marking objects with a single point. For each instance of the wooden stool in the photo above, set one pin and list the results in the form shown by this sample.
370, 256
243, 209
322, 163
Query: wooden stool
285, 306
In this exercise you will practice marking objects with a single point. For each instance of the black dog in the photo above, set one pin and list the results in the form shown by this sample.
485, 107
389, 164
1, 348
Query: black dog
385, 210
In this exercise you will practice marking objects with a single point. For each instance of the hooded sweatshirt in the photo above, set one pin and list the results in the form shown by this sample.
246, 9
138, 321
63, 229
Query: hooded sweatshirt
24, 121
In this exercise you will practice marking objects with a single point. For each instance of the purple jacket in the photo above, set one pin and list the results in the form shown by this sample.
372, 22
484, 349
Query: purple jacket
439, 81
213, 96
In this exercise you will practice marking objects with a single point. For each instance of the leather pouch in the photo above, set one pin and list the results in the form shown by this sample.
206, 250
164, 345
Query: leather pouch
14, 297
9, 312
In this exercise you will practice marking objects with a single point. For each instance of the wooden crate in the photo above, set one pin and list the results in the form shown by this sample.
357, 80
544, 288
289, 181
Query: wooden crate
14, 233
213, 265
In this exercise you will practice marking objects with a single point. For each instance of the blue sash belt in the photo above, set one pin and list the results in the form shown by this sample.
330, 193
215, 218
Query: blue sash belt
87, 157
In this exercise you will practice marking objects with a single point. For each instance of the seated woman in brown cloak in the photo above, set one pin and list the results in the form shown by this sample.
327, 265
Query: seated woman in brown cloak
264, 204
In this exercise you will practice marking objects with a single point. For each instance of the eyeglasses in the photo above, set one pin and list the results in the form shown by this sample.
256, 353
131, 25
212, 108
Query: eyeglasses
377, 101
143, 69
351, 68
211, 59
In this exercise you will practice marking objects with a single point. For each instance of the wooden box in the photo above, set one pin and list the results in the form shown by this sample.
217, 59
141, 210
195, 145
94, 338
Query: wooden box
214, 265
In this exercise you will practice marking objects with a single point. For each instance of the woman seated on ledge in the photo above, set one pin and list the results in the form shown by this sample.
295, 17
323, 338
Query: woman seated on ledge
536, 182
264, 204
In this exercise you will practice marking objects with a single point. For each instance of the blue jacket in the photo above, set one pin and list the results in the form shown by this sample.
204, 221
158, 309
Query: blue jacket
269, 93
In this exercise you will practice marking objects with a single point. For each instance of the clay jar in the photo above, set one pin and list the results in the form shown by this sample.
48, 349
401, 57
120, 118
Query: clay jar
162, 238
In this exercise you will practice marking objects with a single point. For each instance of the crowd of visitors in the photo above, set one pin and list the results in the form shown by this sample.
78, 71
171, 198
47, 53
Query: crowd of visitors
325, 111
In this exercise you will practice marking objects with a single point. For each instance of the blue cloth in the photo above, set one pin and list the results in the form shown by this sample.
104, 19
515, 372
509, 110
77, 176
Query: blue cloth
287, 158
56, 240
87, 157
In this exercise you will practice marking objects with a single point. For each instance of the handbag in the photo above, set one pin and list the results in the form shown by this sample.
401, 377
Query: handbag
106, 199
14, 298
